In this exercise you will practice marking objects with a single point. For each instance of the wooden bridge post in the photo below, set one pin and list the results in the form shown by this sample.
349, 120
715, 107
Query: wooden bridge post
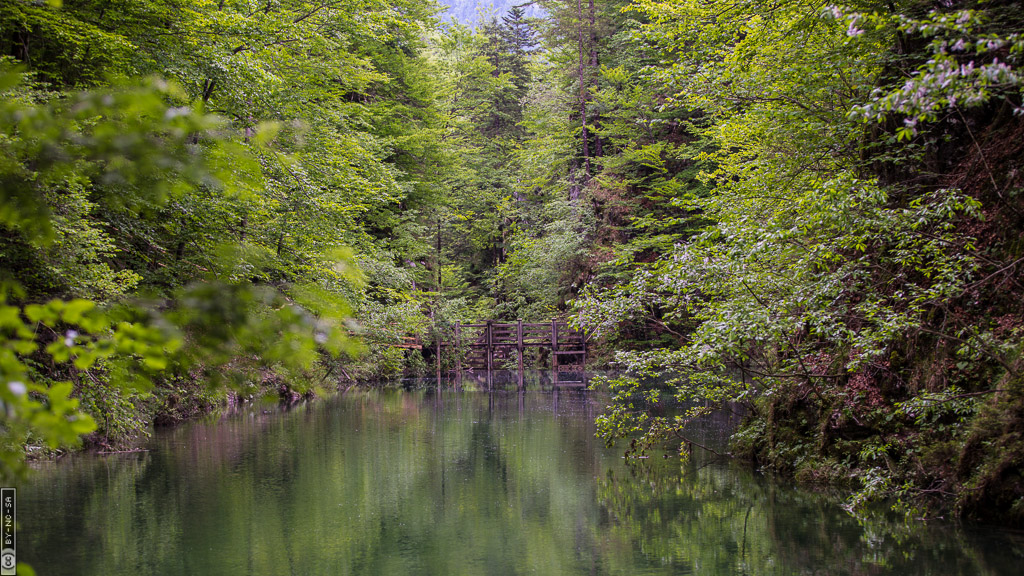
458, 356
519, 340
490, 351
583, 335
554, 352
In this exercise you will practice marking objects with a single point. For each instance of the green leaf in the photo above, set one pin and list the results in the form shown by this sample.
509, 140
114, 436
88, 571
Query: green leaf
75, 309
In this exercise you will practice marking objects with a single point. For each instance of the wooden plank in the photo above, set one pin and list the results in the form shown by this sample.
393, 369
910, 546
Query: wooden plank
408, 342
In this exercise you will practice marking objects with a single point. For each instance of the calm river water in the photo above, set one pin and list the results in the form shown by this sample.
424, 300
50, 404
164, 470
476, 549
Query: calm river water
452, 483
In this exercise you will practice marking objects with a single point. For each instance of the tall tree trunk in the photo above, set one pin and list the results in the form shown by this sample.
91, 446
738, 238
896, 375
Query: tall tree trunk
585, 134
208, 86
594, 65
437, 257
574, 183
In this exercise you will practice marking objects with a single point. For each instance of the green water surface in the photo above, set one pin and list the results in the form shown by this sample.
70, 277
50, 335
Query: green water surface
453, 483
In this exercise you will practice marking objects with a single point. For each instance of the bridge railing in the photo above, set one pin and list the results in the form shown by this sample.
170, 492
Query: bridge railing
482, 344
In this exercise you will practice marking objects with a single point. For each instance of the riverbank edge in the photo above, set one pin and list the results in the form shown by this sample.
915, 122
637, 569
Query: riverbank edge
968, 466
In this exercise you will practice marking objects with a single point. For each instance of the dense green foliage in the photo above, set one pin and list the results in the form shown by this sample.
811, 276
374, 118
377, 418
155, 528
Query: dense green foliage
200, 226
856, 284
812, 211
200, 193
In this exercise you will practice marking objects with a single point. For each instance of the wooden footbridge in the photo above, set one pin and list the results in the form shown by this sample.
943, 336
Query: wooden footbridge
491, 345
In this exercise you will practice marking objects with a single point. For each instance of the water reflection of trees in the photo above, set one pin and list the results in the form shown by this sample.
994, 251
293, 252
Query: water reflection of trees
444, 483
429, 483
717, 518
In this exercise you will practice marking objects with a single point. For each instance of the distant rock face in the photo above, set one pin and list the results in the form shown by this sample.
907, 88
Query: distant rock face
470, 11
